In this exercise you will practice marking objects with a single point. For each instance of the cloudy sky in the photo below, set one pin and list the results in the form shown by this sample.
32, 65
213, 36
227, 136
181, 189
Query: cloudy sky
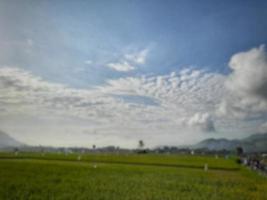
77, 73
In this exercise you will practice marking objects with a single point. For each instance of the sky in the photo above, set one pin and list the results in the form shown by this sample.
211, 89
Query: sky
78, 73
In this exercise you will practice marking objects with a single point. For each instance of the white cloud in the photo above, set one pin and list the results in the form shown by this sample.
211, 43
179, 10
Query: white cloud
88, 62
249, 76
178, 98
123, 66
132, 107
30, 42
129, 60
263, 127
246, 85
176, 108
202, 121
138, 57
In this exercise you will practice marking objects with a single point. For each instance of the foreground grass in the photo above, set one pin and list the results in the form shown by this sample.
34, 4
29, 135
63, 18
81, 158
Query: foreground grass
55, 179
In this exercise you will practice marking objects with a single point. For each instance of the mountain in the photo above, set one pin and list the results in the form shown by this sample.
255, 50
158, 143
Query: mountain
253, 143
7, 141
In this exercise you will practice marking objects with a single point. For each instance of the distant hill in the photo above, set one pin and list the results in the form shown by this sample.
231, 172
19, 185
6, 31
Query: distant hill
253, 143
7, 141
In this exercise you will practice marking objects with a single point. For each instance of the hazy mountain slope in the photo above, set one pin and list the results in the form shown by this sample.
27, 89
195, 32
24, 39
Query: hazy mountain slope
7, 141
253, 143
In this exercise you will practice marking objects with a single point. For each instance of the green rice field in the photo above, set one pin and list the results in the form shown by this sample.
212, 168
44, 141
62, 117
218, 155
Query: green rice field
125, 177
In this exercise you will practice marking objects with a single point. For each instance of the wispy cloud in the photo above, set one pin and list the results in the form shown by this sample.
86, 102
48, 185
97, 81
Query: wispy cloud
138, 57
263, 127
122, 66
129, 61
88, 62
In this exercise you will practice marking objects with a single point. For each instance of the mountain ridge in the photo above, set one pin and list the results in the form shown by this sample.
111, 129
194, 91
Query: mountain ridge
253, 143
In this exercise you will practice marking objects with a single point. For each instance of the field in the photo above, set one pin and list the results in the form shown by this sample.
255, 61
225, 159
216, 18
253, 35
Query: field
124, 177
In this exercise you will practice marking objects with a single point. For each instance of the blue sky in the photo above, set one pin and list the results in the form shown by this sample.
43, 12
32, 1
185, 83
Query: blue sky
64, 34
84, 45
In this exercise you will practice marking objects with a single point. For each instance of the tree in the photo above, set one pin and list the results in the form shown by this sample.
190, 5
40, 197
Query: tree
94, 146
141, 144
239, 151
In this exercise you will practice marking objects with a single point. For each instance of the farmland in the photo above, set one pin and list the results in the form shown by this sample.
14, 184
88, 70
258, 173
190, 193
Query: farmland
111, 176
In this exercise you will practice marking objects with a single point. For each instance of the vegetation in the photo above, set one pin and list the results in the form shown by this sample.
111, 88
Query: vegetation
141, 144
141, 177
187, 161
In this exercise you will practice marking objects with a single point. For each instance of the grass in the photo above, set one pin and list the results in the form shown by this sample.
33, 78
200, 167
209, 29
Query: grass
58, 178
142, 159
